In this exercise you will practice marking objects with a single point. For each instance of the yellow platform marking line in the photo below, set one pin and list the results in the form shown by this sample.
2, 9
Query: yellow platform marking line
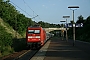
23, 54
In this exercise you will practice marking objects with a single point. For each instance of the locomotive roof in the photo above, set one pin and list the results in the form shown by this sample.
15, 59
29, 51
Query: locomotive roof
36, 25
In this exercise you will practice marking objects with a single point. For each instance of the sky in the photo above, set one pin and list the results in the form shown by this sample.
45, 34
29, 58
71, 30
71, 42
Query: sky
52, 11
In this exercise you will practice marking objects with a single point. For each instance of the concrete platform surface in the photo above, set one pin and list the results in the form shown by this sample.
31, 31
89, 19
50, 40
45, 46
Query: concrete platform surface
61, 50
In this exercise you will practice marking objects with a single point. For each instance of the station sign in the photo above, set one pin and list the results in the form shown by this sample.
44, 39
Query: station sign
68, 25
79, 25
73, 25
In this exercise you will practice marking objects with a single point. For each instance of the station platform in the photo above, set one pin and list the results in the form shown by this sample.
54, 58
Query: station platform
59, 49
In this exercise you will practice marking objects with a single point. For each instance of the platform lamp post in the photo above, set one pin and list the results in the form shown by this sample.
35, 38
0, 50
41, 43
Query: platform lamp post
73, 8
63, 29
66, 26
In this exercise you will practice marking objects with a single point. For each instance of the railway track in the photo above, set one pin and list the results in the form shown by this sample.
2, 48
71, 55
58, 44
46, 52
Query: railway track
22, 55
14, 55
27, 55
33, 54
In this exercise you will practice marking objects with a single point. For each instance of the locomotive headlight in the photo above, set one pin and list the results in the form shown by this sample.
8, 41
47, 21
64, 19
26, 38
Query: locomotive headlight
29, 36
33, 36
37, 36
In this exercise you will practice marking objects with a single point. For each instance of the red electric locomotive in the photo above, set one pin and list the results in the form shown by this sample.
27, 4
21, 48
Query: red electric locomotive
35, 36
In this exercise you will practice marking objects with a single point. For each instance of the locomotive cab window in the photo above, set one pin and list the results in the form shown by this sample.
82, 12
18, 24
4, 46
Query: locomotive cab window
37, 31
34, 31
30, 31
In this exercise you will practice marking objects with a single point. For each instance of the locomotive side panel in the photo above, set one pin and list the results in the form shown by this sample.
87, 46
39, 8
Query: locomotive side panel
35, 36
43, 35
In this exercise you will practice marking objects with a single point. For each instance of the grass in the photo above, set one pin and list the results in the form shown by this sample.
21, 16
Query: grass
18, 43
9, 29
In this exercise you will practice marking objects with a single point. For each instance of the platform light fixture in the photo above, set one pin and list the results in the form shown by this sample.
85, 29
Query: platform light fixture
66, 26
72, 8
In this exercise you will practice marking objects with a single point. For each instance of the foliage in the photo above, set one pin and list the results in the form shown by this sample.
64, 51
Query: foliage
5, 37
82, 33
13, 17
5, 41
19, 44
48, 25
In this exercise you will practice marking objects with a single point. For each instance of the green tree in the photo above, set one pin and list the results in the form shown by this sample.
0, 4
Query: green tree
80, 19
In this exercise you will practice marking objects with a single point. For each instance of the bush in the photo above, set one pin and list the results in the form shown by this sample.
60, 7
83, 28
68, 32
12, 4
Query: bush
5, 38
5, 42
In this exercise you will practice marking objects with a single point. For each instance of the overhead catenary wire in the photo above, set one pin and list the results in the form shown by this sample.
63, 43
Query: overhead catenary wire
21, 9
28, 6
32, 17
32, 10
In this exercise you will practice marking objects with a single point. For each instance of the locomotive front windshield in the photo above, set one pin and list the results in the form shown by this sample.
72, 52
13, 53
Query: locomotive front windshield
34, 31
